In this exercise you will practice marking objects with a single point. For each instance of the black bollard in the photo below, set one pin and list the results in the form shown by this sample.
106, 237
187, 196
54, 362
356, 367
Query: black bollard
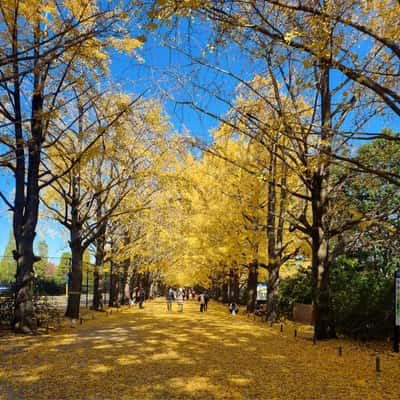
340, 350
295, 333
378, 364
281, 328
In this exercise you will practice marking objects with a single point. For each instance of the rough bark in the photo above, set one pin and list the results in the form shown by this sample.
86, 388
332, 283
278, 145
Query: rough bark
252, 280
100, 241
154, 285
273, 291
77, 249
324, 327
26, 203
236, 287
75, 281
114, 286
23, 313
98, 275
133, 276
146, 282
225, 292
125, 290
274, 244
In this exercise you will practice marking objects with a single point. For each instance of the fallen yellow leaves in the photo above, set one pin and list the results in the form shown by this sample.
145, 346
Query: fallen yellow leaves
152, 354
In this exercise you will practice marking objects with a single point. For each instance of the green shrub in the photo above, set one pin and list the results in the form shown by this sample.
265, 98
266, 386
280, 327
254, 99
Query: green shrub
362, 300
295, 289
361, 297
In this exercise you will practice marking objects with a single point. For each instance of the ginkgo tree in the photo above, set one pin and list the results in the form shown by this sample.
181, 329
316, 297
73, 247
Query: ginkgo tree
145, 137
86, 200
47, 48
144, 244
223, 205
144, 134
256, 120
310, 53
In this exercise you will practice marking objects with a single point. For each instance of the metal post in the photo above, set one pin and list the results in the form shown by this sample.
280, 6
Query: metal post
87, 285
378, 364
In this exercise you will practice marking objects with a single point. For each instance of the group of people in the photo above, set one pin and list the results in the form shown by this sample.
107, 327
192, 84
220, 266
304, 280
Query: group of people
173, 295
137, 297
185, 294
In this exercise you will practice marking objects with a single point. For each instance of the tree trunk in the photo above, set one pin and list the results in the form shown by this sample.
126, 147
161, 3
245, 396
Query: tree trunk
154, 285
132, 281
114, 285
125, 292
230, 286
75, 281
26, 206
77, 249
274, 241
23, 317
98, 275
252, 280
324, 327
273, 291
225, 292
236, 287
145, 283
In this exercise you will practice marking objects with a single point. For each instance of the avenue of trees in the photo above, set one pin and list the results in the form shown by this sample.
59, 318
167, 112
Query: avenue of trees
293, 171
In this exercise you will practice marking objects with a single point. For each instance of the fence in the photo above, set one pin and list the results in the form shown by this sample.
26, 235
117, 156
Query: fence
51, 279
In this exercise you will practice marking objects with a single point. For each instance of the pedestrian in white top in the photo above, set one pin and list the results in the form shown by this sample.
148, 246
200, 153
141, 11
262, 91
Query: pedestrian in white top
202, 300
179, 299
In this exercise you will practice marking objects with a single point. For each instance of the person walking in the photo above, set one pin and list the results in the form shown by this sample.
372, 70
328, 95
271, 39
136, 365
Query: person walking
233, 308
136, 296
140, 297
206, 298
179, 299
170, 298
202, 301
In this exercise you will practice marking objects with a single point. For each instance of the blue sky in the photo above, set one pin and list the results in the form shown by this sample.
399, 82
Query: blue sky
161, 73
133, 77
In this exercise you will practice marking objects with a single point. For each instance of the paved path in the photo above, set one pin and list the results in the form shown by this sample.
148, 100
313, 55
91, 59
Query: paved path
153, 354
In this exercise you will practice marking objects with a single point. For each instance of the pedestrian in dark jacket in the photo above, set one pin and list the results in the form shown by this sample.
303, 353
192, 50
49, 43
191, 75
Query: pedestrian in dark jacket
233, 308
140, 297
170, 297
206, 298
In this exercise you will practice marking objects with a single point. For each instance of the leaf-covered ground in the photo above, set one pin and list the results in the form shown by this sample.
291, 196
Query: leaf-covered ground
152, 354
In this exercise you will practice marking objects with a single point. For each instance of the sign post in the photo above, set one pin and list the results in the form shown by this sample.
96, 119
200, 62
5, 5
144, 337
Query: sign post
396, 311
261, 291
